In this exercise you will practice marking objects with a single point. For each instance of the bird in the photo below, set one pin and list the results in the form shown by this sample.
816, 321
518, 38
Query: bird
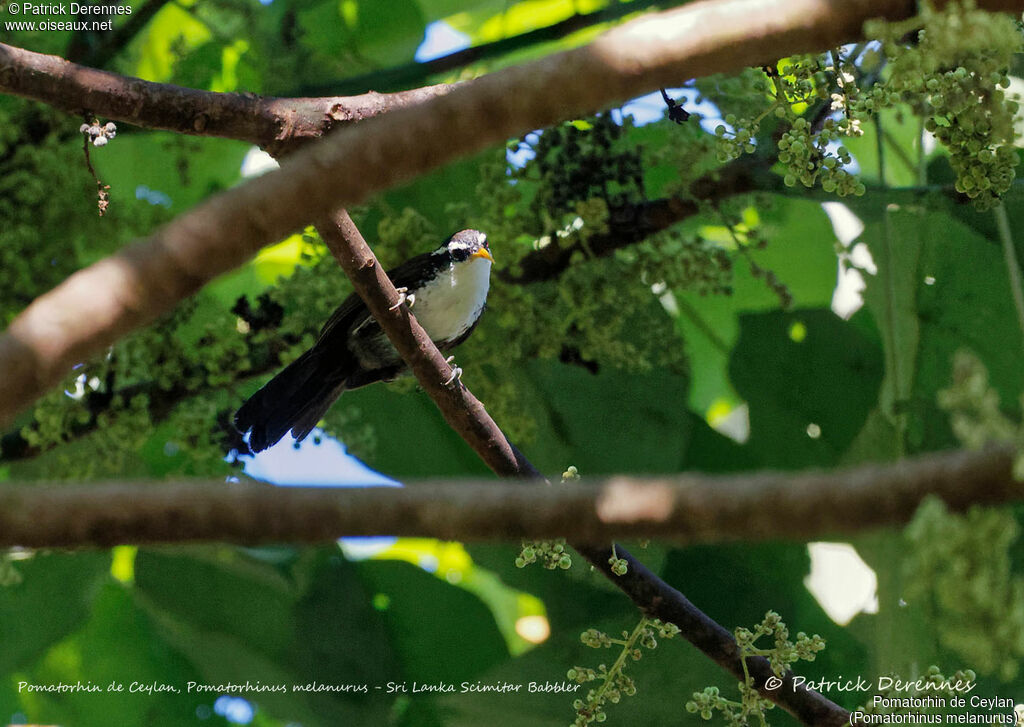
448, 289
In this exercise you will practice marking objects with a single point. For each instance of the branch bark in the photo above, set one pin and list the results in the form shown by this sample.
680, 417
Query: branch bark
685, 509
627, 226
463, 411
265, 121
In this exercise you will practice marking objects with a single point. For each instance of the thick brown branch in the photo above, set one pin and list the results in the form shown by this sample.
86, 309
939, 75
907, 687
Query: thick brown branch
689, 509
247, 117
732, 34
685, 509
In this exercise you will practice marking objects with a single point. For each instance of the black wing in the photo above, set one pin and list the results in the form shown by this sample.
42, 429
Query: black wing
409, 274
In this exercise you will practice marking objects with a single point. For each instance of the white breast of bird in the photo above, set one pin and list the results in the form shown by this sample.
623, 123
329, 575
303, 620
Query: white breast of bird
449, 304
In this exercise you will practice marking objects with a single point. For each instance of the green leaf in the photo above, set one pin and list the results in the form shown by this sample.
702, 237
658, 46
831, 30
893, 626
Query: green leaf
378, 34
610, 422
172, 32
949, 290
401, 417
801, 255
809, 394
736, 584
440, 632
184, 169
901, 132
118, 644
896, 245
299, 621
28, 630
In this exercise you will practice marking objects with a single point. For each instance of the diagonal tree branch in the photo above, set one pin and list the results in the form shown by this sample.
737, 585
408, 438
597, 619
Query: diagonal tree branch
630, 224
463, 411
684, 509
469, 418
638, 223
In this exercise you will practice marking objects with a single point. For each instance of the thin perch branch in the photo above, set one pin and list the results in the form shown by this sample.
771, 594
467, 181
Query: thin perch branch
468, 417
463, 411
685, 509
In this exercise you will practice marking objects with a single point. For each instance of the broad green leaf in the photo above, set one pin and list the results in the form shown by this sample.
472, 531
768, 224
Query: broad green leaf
171, 33
377, 34
901, 132
451, 639
737, 584
169, 170
526, 15
451, 562
808, 394
949, 291
117, 645
610, 422
799, 252
896, 246
300, 622
413, 439
28, 630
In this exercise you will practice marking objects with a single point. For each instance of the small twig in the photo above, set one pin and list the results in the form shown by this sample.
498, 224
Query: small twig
891, 335
102, 190
1012, 264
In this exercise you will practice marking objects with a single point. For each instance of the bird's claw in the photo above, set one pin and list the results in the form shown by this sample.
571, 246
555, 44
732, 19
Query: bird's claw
456, 372
404, 296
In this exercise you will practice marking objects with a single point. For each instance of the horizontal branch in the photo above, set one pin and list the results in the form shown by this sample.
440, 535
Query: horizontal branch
684, 509
96, 306
260, 120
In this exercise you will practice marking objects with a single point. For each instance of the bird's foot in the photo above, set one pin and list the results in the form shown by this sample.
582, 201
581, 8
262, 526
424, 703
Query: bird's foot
404, 296
456, 372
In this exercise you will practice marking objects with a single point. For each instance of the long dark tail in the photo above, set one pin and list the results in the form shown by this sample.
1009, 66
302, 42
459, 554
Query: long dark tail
295, 399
